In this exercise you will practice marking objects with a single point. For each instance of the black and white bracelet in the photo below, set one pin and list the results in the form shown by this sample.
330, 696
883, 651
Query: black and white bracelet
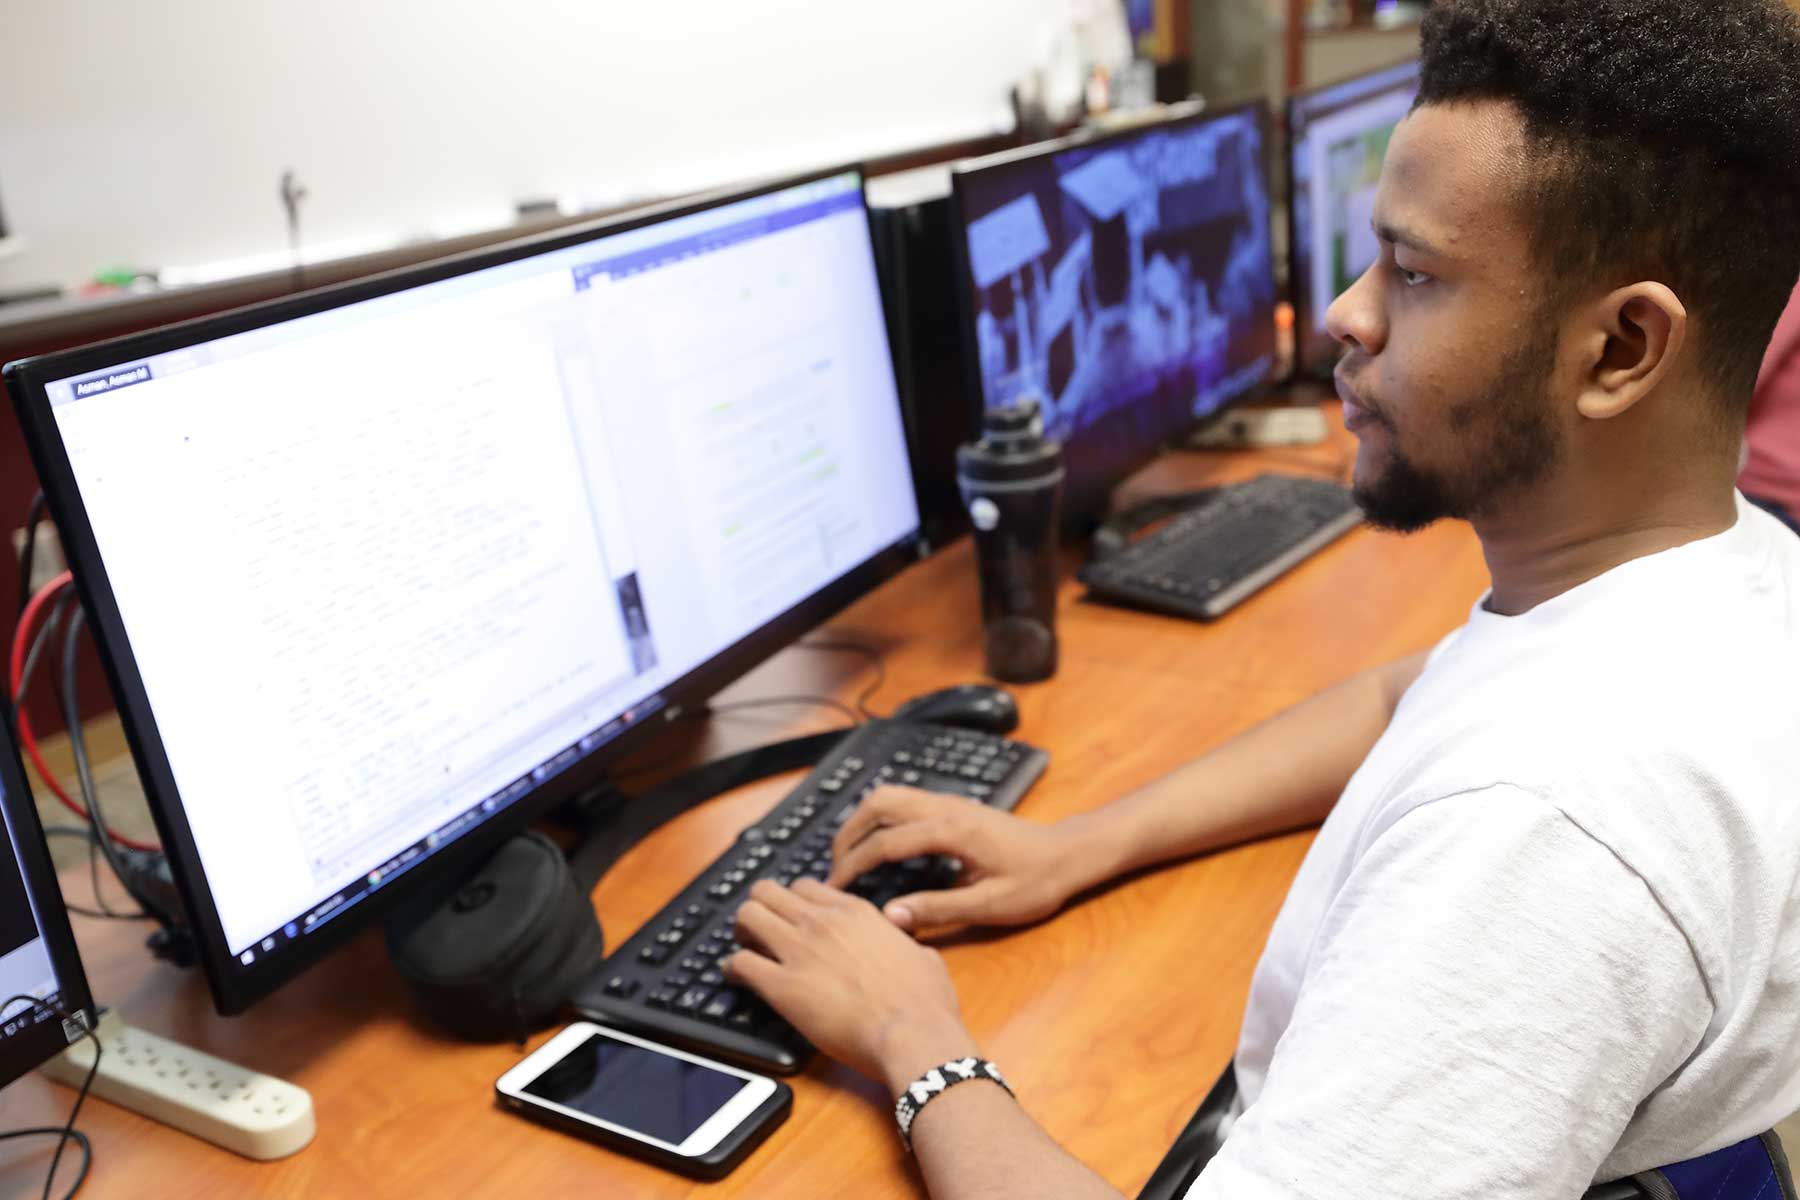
935, 1083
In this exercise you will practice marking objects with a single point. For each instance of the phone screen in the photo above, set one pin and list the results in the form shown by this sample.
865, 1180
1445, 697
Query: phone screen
655, 1094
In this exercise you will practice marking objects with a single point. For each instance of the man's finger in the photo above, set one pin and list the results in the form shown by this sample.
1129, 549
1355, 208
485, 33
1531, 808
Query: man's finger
888, 805
893, 844
779, 900
969, 905
764, 976
760, 925
812, 891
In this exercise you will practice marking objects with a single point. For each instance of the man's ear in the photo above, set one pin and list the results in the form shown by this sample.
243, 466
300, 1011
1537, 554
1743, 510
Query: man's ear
1636, 334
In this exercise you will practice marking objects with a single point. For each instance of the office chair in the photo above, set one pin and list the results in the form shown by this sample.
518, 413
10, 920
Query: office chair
1704, 1178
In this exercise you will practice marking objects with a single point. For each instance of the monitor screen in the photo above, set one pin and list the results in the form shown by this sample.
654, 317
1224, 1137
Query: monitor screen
1126, 281
389, 568
1337, 137
37, 950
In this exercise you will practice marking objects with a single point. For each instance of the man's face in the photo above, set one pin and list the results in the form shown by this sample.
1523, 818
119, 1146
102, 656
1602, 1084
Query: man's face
1448, 379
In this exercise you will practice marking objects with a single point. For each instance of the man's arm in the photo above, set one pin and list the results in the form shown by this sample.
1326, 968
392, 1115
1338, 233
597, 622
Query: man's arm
1283, 774
975, 1142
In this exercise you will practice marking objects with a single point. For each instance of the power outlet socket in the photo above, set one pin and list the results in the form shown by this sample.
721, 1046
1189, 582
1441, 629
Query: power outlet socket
47, 561
256, 1115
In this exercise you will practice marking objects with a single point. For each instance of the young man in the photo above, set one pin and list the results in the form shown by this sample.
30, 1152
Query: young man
1550, 930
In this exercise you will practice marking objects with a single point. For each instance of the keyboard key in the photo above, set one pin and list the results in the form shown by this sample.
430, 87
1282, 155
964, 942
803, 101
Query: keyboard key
713, 978
661, 997
678, 979
691, 1000
721, 1006
693, 962
654, 955
621, 987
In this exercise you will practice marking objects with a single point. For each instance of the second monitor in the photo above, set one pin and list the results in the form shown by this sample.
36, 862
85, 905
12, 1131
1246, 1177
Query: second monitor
1337, 138
1126, 280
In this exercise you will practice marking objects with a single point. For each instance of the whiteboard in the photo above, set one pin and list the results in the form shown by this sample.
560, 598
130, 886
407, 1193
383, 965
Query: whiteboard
153, 133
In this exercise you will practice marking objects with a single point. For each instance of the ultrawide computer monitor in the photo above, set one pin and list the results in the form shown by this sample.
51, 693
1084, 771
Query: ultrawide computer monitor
37, 948
1125, 280
1337, 138
380, 573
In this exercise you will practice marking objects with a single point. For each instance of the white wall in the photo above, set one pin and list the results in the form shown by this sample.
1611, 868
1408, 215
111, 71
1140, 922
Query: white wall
152, 133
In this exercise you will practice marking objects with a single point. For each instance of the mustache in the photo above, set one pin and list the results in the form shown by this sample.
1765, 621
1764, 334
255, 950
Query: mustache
1345, 379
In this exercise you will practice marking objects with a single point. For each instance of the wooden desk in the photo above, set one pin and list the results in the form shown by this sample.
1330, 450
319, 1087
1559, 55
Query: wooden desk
1155, 970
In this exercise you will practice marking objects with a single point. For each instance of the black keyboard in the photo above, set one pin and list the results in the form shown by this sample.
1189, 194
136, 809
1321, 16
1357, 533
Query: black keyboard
1227, 547
665, 981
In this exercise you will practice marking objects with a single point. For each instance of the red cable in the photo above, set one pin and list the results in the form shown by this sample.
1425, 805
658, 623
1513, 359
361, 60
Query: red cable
27, 739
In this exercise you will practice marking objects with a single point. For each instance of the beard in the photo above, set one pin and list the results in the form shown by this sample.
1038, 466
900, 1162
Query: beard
1507, 440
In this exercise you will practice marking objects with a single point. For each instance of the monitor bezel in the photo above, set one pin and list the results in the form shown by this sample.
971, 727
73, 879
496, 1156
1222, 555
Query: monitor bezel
1314, 356
235, 986
1080, 512
33, 1047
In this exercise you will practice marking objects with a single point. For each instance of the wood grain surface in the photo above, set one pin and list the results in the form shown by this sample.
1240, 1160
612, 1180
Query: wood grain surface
1152, 971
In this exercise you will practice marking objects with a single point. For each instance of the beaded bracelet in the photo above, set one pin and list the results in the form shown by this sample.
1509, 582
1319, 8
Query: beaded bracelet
935, 1083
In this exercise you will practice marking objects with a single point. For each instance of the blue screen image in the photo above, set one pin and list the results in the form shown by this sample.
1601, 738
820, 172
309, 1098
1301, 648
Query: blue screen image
1128, 284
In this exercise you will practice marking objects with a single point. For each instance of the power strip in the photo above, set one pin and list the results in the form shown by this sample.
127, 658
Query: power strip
1300, 425
256, 1115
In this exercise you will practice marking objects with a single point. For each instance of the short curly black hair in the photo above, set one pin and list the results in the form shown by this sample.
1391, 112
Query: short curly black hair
1664, 143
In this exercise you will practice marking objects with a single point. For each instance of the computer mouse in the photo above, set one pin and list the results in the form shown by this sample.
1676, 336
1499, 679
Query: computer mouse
968, 706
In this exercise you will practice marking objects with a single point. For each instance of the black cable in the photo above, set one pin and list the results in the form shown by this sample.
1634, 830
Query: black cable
64, 705
85, 777
68, 1135
28, 551
104, 910
849, 646
59, 611
850, 714
67, 1132
631, 772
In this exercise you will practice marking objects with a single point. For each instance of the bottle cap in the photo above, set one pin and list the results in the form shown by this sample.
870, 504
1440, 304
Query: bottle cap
1012, 450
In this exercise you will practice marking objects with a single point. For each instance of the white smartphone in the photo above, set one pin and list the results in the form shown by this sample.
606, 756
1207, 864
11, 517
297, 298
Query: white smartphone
676, 1109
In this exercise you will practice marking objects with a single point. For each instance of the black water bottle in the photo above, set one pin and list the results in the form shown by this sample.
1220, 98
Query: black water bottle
1011, 482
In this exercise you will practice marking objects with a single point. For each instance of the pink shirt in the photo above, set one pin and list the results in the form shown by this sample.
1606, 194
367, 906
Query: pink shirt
1772, 471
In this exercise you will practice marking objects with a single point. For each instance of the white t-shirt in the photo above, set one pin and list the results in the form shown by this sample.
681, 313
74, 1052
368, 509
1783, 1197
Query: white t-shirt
1551, 932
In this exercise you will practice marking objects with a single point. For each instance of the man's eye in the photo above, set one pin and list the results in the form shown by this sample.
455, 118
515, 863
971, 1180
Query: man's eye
1411, 279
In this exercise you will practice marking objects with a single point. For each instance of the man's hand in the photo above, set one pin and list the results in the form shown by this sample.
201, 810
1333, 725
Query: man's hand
860, 990
1013, 871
